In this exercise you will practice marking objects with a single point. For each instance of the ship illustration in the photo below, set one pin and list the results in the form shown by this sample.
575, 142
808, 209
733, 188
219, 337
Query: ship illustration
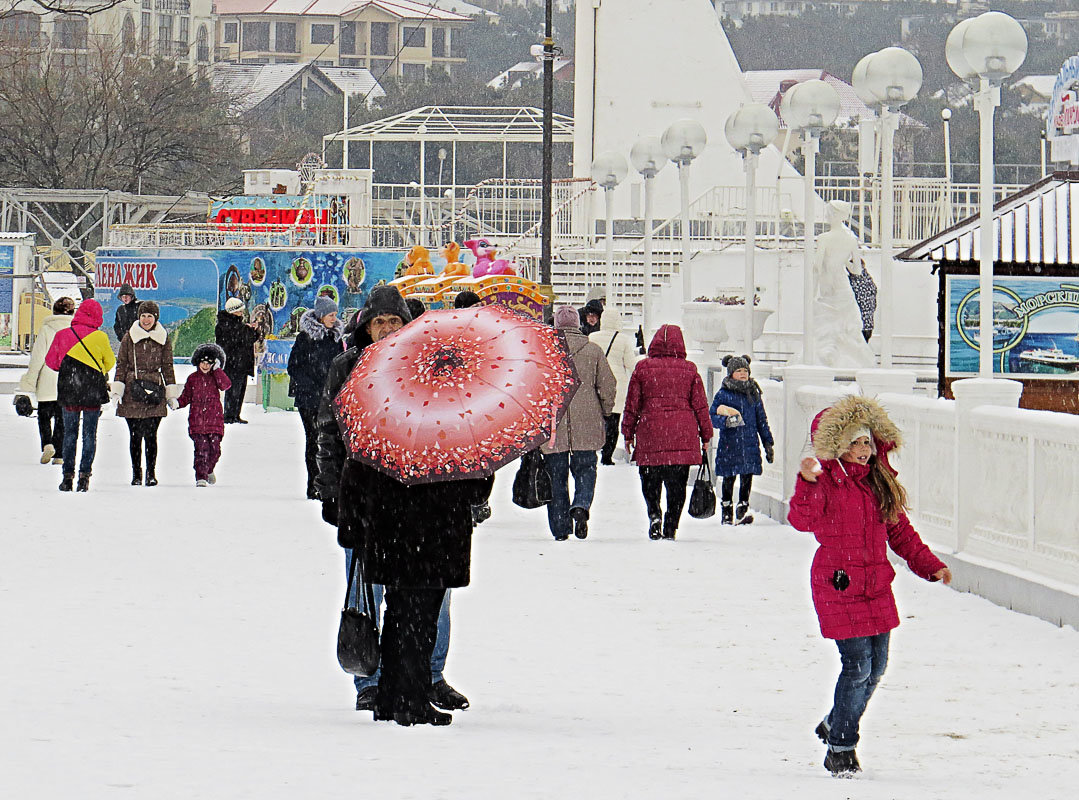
1051, 357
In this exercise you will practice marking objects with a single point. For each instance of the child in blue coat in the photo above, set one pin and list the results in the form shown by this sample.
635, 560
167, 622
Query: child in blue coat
738, 413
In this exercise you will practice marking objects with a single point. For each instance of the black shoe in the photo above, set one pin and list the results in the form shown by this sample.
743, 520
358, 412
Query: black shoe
580, 522
425, 716
655, 528
822, 731
562, 538
84, 482
742, 515
607, 462
447, 698
365, 700
481, 513
67, 483
240, 421
151, 479
136, 476
312, 492
727, 514
842, 762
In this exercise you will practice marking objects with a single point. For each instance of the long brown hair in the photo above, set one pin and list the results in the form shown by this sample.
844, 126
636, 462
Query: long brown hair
890, 494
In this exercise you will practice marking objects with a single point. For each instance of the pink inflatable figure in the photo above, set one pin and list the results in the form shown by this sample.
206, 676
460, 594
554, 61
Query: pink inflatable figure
486, 264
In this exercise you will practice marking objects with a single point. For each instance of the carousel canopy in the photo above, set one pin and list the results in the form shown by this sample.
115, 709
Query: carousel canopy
459, 124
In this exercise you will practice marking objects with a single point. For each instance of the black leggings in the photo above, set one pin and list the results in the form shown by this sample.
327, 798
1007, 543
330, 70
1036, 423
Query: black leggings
309, 418
143, 432
409, 628
672, 476
50, 425
745, 486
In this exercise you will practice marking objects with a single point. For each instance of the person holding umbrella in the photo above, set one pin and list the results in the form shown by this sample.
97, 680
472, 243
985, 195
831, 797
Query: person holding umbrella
581, 432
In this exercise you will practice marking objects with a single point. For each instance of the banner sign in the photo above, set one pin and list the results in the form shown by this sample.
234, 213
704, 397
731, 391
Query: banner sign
284, 210
1062, 120
1035, 326
7, 293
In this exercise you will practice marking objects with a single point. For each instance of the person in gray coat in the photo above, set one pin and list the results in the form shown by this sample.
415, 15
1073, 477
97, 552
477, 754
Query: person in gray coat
580, 433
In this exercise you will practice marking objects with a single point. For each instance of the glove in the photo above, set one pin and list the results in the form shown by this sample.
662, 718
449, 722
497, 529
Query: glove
769, 455
329, 511
173, 403
116, 390
23, 406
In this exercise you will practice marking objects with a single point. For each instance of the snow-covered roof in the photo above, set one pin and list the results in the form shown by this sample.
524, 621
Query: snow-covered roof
765, 84
353, 80
1034, 225
1041, 85
253, 84
511, 78
460, 124
402, 9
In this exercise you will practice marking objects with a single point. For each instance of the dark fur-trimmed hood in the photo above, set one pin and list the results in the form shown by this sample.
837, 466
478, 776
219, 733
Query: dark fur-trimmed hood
834, 427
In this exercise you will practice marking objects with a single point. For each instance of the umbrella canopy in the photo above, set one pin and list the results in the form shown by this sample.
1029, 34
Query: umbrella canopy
456, 394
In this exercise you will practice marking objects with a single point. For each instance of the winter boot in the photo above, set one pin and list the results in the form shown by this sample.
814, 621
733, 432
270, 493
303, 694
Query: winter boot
655, 528
136, 475
727, 511
151, 469
422, 716
670, 527
822, 731
742, 516
84, 482
66, 483
580, 522
211, 479
365, 699
201, 482
841, 763
47, 452
444, 696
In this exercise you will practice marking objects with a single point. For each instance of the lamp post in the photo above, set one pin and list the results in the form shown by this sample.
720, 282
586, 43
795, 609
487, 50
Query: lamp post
809, 107
989, 47
891, 77
682, 142
748, 130
648, 158
609, 170
946, 117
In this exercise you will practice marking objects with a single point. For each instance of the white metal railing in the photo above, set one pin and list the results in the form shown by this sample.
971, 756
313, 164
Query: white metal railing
213, 235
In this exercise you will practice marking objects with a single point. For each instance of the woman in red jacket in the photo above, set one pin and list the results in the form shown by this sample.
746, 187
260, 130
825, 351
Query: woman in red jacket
666, 425
854, 506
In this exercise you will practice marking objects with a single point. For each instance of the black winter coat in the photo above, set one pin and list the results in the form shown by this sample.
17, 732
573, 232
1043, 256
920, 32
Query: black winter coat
409, 535
126, 316
238, 341
314, 350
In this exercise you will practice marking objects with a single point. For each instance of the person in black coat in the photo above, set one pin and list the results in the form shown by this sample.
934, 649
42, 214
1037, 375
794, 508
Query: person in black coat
415, 541
316, 346
237, 339
126, 313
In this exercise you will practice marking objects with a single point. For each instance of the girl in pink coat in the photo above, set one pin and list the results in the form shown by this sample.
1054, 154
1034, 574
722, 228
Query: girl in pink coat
206, 419
854, 506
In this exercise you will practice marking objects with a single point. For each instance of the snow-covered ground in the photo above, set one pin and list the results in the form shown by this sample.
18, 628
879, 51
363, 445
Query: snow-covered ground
179, 643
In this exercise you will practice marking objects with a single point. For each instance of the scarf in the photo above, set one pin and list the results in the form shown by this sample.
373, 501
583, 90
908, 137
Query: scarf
750, 388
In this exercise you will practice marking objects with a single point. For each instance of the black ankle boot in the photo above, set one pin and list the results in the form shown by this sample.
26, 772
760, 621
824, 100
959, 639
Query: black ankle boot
727, 512
742, 515
68, 482
151, 479
84, 482
655, 528
841, 762
136, 475
670, 527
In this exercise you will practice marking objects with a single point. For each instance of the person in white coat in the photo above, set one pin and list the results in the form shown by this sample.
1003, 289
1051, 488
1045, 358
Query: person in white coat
41, 382
622, 356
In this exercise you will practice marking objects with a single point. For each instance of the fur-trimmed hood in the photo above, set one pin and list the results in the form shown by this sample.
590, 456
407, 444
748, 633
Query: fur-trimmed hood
833, 428
313, 327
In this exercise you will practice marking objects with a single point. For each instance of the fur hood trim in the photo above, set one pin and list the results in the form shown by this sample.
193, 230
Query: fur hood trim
157, 333
313, 327
834, 427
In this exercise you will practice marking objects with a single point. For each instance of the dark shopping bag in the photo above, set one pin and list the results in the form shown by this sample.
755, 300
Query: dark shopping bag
702, 503
532, 485
358, 650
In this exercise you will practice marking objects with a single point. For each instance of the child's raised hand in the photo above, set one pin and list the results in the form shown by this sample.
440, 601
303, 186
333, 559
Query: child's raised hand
809, 469
943, 575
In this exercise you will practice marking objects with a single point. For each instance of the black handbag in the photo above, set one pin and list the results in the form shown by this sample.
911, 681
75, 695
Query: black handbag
98, 392
358, 650
532, 485
151, 393
702, 503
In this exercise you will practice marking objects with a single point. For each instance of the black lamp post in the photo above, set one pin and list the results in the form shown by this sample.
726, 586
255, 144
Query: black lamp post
548, 143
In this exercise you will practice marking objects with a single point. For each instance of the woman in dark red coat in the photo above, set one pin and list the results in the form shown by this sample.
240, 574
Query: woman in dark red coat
854, 506
666, 425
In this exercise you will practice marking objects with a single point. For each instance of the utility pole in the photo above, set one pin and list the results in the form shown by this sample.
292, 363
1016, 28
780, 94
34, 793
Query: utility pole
548, 144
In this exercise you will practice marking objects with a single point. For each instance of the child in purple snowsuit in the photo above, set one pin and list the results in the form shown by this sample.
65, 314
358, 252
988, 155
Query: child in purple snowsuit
206, 420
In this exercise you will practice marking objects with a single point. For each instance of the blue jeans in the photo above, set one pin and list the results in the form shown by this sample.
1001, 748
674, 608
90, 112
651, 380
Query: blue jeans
442, 638
864, 659
71, 439
582, 465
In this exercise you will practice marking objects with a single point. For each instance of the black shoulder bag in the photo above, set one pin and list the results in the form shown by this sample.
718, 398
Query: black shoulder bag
532, 484
99, 390
702, 503
358, 650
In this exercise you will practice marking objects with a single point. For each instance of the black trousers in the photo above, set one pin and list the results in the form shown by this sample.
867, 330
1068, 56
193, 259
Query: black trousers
309, 418
234, 396
611, 424
50, 425
408, 637
142, 433
745, 486
674, 477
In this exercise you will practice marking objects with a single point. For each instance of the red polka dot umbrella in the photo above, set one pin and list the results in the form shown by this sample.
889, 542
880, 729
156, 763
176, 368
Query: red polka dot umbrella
456, 394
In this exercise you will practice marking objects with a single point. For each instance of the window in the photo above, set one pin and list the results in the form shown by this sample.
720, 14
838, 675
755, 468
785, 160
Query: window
321, 34
413, 72
353, 62
413, 37
184, 36
256, 36
232, 32
285, 38
145, 28
346, 42
323, 63
71, 32
458, 43
382, 67
202, 45
127, 35
22, 27
438, 42
380, 38
164, 33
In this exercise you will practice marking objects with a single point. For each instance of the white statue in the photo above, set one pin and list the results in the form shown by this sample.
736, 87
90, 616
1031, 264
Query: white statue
837, 322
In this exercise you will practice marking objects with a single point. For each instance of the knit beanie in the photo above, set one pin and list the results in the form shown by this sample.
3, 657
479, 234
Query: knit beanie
858, 433
234, 304
324, 306
735, 363
566, 317
126, 289
149, 307
383, 300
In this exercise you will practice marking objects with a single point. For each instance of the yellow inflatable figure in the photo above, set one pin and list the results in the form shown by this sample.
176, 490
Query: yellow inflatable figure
452, 253
419, 262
